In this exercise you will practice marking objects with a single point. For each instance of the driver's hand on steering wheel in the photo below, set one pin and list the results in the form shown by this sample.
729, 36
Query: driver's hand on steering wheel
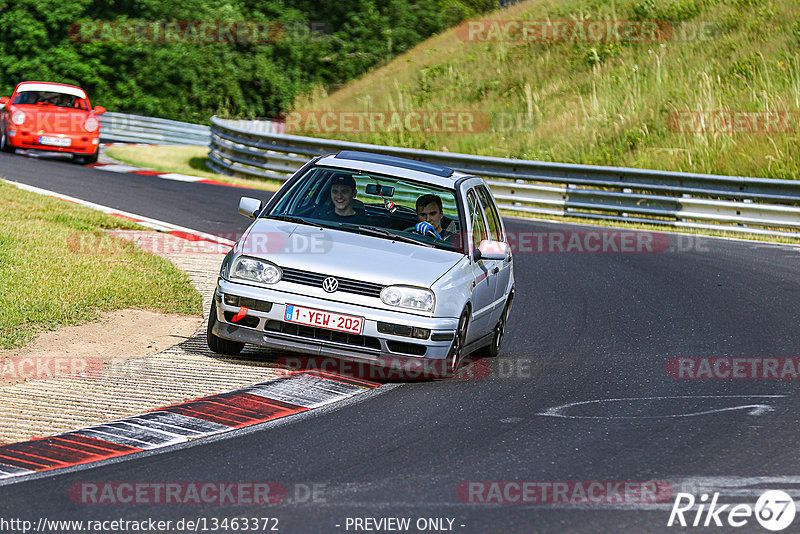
425, 228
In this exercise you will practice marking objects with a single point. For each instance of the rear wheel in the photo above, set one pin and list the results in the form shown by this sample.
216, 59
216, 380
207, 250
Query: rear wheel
491, 351
216, 343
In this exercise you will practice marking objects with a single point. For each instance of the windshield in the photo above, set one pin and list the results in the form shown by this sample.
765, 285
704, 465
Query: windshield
372, 204
49, 98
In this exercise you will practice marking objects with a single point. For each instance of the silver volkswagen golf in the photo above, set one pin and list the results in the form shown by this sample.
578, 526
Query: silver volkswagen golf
372, 258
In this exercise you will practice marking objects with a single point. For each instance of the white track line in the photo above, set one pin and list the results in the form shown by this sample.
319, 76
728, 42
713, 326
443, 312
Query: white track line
148, 222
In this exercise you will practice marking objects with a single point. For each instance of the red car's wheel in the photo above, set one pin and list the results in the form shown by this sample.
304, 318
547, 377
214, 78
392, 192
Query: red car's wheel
5, 146
91, 158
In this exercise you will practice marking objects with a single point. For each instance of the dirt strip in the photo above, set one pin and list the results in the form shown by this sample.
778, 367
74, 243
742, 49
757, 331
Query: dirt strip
129, 362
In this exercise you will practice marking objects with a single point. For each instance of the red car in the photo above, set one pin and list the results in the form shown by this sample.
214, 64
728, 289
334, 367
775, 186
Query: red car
50, 116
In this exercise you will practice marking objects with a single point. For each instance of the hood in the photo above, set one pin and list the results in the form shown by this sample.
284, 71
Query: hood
346, 254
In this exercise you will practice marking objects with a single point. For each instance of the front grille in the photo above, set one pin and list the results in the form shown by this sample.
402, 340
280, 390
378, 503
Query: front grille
322, 334
347, 285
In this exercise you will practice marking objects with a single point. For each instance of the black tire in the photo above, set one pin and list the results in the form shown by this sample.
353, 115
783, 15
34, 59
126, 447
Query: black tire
5, 146
491, 351
457, 348
86, 160
216, 343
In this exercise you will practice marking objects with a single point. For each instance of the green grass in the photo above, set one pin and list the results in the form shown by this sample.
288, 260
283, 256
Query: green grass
603, 103
182, 159
47, 280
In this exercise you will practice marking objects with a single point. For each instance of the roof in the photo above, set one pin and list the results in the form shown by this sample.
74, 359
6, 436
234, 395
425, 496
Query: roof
51, 87
393, 166
394, 161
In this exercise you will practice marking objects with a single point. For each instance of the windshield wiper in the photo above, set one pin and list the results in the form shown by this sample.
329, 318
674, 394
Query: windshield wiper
294, 219
380, 232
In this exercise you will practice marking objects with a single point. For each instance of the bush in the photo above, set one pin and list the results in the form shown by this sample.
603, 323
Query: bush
188, 81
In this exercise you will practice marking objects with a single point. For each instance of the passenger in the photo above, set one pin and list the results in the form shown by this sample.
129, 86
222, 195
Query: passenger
429, 209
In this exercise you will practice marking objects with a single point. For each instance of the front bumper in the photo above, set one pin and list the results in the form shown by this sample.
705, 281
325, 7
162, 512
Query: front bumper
85, 144
268, 329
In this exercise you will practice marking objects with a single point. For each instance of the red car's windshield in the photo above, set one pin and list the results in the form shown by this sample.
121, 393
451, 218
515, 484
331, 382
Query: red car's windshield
48, 98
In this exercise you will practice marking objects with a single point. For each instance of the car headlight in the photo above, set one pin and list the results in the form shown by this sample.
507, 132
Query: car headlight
91, 124
256, 271
408, 297
18, 117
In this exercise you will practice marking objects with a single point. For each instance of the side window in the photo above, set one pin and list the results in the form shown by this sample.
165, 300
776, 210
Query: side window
300, 199
476, 216
492, 217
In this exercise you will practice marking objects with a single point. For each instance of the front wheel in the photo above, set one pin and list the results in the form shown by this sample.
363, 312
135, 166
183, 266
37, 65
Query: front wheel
216, 343
86, 160
5, 146
457, 348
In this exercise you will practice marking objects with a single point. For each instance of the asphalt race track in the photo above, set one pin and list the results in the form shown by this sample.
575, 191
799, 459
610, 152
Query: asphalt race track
598, 329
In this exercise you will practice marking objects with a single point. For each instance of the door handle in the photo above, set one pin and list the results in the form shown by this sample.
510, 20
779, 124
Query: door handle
496, 270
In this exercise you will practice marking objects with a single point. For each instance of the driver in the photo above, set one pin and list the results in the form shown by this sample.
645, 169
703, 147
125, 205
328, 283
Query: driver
344, 207
429, 209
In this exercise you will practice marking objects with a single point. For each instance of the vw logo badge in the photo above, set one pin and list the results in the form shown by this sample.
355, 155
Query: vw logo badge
330, 284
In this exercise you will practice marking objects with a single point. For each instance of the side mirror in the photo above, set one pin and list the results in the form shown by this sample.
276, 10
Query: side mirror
249, 207
4, 100
99, 110
491, 250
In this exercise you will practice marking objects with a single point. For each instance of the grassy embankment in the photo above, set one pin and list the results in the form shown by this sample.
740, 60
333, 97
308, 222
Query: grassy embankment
58, 268
190, 160
604, 103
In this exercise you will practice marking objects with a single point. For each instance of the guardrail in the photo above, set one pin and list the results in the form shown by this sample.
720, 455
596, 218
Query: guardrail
687, 200
125, 128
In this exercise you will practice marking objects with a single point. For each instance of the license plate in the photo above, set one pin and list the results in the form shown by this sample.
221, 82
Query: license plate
55, 141
323, 319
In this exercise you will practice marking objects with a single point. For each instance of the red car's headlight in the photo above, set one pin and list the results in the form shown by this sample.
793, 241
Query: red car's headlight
18, 118
91, 124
